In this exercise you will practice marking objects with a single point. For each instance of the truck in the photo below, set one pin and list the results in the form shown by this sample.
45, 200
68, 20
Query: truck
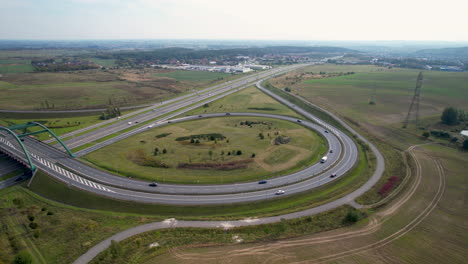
323, 159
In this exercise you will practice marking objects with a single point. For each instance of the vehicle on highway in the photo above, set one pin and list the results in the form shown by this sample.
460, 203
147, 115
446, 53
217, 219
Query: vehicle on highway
153, 184
228, 113
279, 192
323, 159
150, 126
333, 175
299, 121
326, 131
331, 150
200, 116
262, 182
129, 123
168, 122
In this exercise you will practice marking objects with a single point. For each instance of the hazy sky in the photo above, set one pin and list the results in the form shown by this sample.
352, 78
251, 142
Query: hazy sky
235, 19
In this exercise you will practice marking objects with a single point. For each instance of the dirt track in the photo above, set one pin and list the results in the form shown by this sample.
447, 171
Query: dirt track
277, 252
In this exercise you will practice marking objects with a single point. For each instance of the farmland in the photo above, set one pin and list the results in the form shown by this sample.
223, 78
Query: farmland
98, 88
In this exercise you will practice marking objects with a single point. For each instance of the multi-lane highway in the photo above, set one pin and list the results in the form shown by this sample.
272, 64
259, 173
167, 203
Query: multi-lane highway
79, 175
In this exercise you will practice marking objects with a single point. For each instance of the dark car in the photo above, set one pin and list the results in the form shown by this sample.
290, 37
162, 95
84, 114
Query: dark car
153, 184
333, 175
331, 150
228, 114
200, 116
262, 182
326, 131
299, 121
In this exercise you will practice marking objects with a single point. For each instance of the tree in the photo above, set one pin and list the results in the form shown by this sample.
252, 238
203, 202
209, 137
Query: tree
450, 116
253, 155
164, 151
155, 152
239, 153
426, 134
465, 144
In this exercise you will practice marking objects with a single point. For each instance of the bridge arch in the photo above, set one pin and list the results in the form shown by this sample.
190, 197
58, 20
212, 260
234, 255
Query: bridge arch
26, 153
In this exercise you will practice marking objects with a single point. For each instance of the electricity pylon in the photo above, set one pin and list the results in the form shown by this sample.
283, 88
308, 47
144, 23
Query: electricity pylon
415, 101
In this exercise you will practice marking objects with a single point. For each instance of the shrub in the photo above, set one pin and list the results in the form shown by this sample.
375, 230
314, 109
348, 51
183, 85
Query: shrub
31, 218
352, 217
23, 257
389, 185
426, 134
239, 153
33, 225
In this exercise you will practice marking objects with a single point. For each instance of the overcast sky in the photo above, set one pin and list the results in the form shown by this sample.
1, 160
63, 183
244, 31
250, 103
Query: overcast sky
235, 19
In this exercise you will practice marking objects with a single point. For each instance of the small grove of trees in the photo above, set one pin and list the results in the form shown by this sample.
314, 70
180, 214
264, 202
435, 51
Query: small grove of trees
452, 116
111, 112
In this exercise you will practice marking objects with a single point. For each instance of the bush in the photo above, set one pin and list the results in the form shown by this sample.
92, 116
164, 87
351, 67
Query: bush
23, 257
352, 217
239, 153
31, 218
426, 134
33, 225
50, 213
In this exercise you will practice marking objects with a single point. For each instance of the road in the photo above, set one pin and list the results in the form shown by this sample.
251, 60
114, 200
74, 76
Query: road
173, 223
101, 183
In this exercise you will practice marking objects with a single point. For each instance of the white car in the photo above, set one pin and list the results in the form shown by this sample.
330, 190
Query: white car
279, 192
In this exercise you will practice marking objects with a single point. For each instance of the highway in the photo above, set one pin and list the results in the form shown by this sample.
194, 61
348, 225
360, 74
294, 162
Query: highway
182, 104
100, 176
81, 176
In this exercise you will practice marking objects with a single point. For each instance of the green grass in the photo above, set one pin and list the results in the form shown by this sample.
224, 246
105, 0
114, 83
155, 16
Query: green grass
12, 174
136, 248
7, 69
246, 100
54, 190
59, 126
194, 76
52, 240
308, 146
103, 62
391, 89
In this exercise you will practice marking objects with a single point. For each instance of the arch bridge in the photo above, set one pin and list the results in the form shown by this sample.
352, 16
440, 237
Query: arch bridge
24, 128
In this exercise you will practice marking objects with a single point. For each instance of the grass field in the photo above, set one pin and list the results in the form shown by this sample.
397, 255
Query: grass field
57, 226
305, 148
54, 190
194, 76
96, 88
438, 233
391, 89
59, 126
246, 100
